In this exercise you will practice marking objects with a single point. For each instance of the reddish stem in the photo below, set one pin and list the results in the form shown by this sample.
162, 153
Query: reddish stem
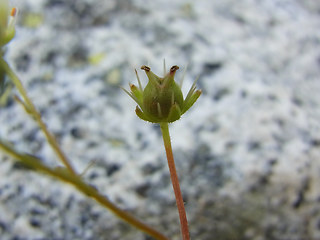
175, 182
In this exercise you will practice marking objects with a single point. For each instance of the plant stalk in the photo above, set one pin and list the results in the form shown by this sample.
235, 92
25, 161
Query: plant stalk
175, 182
64, 174
30, 107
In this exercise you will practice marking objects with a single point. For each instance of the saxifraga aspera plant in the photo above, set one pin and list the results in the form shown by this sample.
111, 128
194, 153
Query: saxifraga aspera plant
161, 101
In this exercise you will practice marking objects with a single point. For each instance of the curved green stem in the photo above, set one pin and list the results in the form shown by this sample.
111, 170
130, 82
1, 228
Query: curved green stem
64, 174
175, 182
30, 108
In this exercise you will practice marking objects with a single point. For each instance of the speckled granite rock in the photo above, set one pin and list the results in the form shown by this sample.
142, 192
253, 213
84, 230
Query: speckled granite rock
247, 154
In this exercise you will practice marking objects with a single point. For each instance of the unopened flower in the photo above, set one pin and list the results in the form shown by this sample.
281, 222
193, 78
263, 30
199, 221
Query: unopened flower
162, 99
7, 22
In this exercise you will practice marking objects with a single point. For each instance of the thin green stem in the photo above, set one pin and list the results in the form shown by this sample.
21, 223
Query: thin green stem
175, 182
64, 174
30, 107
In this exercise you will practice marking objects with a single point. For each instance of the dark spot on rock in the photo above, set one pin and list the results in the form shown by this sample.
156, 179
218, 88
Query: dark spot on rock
297, 101
318, 60
37, 211
139, 136
264, 180
214, 126
84, 219
220, 93
32, 135
203, 154
240, 19
217, 172
92, 144
9, 103
20, 166
150, 168
50, 57
23, 62
53, 3
143, 189
185, 198
46, 201
318, 224
93, 175
156, 127
17, 238
315, 142
280, 122
230, 145
254, 145
243, 94
69, 202
76, 132
94, 216
299, 200
35, 223
148, 237
141, 140
272, 97
209, 68
273, 161
112, 169
78, 57
81, 9
3, 226
20, 188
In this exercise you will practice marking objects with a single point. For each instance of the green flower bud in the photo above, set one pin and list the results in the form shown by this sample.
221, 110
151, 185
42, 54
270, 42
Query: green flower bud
162, 99
7, 22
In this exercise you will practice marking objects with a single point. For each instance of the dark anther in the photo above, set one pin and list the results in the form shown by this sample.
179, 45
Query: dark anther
174, 68
146, 68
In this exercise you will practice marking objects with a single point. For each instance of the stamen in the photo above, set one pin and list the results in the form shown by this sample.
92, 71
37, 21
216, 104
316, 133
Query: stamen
12, 19
13, 12
146, 68
173, 69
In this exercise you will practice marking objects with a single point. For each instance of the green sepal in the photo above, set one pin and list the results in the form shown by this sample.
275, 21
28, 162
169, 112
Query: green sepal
175, 113
190, 101
143, 116
137, 93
